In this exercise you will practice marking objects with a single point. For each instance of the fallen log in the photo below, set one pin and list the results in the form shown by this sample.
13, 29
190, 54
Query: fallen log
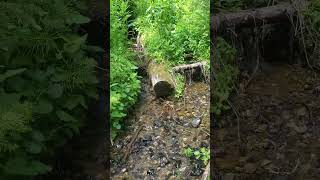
255, 17
161, 80
184, 67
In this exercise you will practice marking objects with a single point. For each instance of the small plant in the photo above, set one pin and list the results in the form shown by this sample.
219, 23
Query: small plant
180, 84
202, 154
225, 76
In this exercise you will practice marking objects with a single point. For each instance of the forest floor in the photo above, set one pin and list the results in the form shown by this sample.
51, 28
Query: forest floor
275, 133
168, 126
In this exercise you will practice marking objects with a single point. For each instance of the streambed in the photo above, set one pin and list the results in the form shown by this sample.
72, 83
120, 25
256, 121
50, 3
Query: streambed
272, 132
168, 126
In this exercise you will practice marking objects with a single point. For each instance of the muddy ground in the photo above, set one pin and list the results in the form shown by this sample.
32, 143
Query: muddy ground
168, 126
272, 133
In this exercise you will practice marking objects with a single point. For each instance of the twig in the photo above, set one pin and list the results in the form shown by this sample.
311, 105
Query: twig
238, 119
257, 65
128, 151
206, 174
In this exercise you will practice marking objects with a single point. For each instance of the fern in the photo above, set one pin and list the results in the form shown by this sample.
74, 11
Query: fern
15, 119
46, 81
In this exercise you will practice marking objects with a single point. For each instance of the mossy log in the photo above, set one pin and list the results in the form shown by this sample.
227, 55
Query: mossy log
161, 80
254, 17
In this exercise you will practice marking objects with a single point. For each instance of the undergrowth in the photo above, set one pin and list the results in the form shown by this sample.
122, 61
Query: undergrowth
174, 32
124, 82
310, 33
225, 75
202, 154
46, 82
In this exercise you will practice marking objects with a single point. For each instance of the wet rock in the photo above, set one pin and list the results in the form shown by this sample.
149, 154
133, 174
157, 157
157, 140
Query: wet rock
163, 160
124, 170
151, 172
196, 122
157, 123
301, 111
299, 129
186, 124
119, 145
265, 162
250, 168
196, 169
249, 113
228, 176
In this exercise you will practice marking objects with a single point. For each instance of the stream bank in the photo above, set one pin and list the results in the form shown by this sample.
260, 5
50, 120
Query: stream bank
273, 131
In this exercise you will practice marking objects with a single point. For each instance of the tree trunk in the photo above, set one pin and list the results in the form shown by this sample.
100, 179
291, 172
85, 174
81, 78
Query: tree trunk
255, 17
161, 80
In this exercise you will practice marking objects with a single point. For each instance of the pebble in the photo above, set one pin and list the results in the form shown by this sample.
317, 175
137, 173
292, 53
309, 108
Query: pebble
196, 122
163, 161
151, 172
157, 123
123, 170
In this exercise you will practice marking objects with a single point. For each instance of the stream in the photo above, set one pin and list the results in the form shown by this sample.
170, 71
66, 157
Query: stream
168, 126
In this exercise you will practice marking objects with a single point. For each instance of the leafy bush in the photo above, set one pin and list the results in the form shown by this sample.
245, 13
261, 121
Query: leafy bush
309, 33
171, 31
225, 76
124, 81
46, 80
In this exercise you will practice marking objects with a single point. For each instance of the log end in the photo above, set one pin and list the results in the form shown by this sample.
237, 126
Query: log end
163, 89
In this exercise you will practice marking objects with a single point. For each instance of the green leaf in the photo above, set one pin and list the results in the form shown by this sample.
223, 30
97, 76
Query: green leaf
43, 107
34, 148
55, 90
73, 101
10, 73
25, 167
197, 154
74, 43
77, 19
63, 116
95, 49
37, 136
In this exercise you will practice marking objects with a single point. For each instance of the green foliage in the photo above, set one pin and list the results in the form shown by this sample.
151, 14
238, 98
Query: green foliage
225, 76
180, 84
202, 154
124, 81
310, 34
46, 80
172, 30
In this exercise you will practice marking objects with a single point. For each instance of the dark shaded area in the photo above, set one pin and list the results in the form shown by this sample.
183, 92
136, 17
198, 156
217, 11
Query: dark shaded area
270, 133
85, 157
